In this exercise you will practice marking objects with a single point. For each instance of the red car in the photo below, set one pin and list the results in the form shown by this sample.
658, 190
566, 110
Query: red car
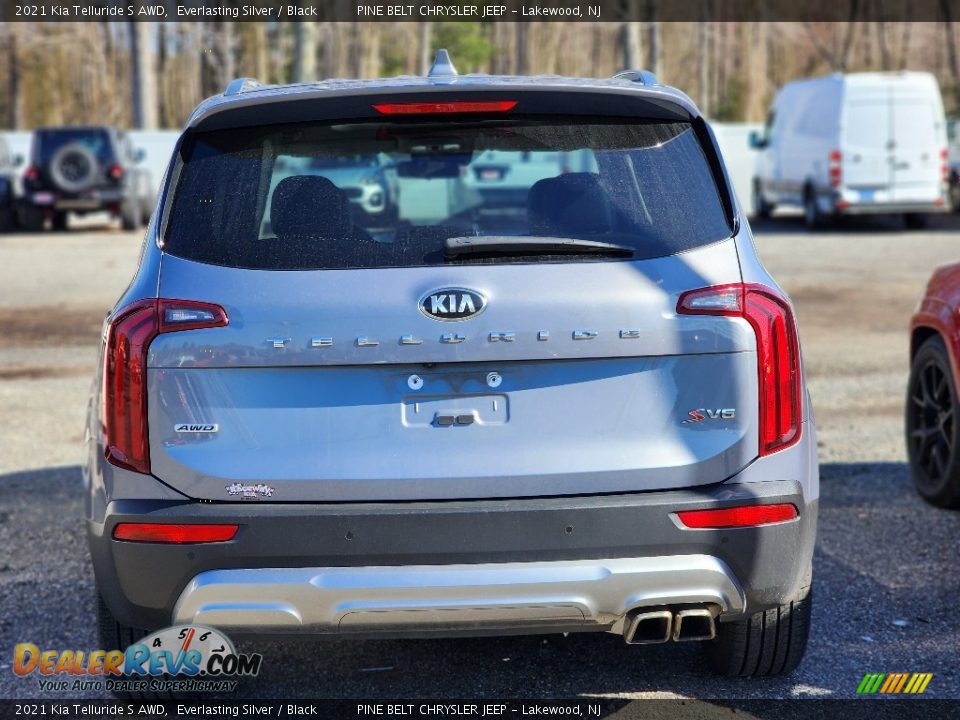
932, 405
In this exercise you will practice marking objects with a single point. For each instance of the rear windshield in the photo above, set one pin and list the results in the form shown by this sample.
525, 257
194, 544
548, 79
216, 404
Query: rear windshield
97, 142
375, 194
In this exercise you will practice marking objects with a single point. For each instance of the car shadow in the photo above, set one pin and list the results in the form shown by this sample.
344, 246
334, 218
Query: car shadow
882, 556
791, 224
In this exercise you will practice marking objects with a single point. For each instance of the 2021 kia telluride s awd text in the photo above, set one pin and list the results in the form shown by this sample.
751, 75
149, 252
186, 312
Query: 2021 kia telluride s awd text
579, 407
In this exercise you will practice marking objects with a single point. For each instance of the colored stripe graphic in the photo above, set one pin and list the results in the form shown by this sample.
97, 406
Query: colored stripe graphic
894, 683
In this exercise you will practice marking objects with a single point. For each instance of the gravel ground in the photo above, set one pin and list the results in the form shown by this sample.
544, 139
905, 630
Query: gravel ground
886, 573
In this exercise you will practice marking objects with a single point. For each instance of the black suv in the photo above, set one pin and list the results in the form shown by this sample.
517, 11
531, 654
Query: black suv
84, 170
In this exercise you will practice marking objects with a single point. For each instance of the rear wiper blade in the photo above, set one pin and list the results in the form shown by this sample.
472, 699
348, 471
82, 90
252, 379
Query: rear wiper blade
521, 245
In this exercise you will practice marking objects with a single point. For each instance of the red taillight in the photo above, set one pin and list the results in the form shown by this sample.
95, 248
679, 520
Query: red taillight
944, 165
835, 169
129, 333
778, 353
745, 516
469, 106
31, 173
176, 534
116, 171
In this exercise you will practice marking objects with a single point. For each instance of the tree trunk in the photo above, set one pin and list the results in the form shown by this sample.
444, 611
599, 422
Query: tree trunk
521, 35
881, 28
630, 45
143, 79
227, 68
424, 40
329, 51
15, 117
305, 52
703, 67
905, 43
654, 44
951, 41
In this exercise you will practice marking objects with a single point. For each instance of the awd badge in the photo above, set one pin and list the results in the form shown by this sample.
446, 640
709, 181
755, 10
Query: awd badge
196, 427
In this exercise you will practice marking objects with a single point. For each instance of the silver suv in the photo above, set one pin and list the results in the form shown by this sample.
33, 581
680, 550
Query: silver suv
581, 412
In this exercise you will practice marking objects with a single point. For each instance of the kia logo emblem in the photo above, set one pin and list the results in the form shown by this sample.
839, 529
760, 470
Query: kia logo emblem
452, 304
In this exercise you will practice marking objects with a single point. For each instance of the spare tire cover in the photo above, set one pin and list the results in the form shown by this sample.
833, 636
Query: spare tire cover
73, 168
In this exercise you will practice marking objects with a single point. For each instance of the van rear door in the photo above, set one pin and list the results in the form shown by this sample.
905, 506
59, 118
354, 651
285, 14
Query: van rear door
866, 139
917, 126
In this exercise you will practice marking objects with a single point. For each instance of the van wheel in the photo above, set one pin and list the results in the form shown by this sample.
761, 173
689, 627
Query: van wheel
146, 210
761, 208
812, 216
130, 213
931, 425
954, 193
915, 221
6, 220
766, 643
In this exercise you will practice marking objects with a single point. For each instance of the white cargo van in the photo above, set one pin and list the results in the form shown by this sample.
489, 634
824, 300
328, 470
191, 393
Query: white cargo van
854, 144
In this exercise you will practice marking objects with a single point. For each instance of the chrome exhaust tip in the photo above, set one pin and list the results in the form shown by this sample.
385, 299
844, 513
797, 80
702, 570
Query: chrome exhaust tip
648, 627
694, 624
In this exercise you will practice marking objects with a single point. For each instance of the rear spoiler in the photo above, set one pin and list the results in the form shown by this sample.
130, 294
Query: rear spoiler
314, 102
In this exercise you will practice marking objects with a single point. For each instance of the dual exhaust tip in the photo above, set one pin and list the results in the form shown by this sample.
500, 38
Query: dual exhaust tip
659, 626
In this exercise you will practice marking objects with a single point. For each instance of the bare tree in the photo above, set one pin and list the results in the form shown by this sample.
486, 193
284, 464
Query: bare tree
424, 40
144, 77
521, 47
951, 41
654, 46
14, 98
703, 71
226, 68
630, 44
305, 52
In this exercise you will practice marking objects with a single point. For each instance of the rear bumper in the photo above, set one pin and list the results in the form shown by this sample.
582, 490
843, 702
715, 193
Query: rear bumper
466, 567
488, 597
90, 200
889, 208
849, 202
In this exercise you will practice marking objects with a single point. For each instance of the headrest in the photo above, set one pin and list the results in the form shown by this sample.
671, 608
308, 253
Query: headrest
576, 202
310, 205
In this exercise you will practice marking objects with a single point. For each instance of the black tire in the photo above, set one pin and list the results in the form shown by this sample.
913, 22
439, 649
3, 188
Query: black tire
146, 210
388, 218
117, 636
60, 221
812, 217
7, 218
130, 213
31, 219
915, 221
766, 643
954, 193
931, 425
761, 208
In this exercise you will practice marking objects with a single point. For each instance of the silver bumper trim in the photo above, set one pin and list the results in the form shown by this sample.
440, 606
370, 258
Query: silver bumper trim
586, 594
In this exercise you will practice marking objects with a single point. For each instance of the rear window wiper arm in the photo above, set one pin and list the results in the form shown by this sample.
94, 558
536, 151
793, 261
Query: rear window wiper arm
523, 245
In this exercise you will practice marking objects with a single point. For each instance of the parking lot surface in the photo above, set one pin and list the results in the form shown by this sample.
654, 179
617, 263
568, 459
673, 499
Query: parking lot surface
886, 571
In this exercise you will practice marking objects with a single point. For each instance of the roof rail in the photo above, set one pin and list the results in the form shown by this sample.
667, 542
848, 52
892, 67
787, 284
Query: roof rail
442, 65
241, 85
644, 77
